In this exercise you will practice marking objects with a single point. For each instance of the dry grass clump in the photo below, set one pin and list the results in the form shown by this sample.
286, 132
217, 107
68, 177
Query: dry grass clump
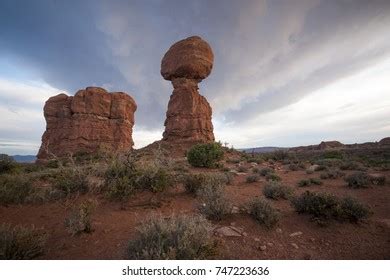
358, 180
252, 178
20, 243
214, 204
275, 190
79, 219
263, 212
193, 183
174, 238
331, 174
14, 188
309, 182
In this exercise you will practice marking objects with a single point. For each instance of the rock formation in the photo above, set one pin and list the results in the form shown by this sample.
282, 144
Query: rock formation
92, 120
188, 117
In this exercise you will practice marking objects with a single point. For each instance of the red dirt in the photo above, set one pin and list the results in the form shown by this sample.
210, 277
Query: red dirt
115, 224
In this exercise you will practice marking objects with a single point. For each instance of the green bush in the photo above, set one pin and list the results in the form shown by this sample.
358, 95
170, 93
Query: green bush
14, 188
193, 183
156, 179
293, 167
252, 179
174, 238
331, 174
7, 164
309, 182
351, 165
378, 179
71, 181
214, 204
275, 190
323, 206
20, 243
358, 180
265, 171
272, 177
263, 212
120, 189
353, 211
80, 218
205, 155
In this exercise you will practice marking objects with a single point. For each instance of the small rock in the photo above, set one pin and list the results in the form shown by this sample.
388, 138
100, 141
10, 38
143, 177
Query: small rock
263, 248
279, 230
270, 244
297, 233
257, 239
233, 224
295, 245
242, 173
312, 239
227, 231
253, 164
244, 234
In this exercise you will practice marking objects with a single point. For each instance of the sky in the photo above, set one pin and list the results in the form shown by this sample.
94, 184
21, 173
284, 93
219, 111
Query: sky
286, 72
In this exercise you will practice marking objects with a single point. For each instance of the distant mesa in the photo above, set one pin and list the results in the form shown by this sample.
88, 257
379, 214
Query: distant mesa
325, 145
385, 141
92, 120
188, 118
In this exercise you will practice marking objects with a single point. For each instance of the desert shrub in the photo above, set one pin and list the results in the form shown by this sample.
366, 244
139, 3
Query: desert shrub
242, 168
328, 162
377, 179
180, 238
275, 190
265, 171
252, 179
31, 167
331, 174
229, 176
233, 160
120, 180
193, 183
358, 180
276, 155
120, 189
14, 188
255, 159
309, 171
321, 205
20, 243
351, 165
272, 177
205, 155
156, 179
309, 182
333, 154
71, 181
293, 167
53, 163
79, 219
7, 164
263, 212
352, 210
214, 204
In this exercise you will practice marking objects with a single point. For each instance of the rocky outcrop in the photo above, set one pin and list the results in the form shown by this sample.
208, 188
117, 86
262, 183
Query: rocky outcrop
92, 120
188, 117
325, 145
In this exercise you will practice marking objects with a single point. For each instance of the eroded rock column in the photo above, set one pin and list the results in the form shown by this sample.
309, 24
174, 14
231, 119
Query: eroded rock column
188, 117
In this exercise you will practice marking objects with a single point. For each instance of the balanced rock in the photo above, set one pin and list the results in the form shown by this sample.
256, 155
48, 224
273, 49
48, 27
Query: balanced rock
92, 120
188, 117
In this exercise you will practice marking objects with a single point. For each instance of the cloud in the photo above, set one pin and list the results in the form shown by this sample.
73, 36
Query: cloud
269, 55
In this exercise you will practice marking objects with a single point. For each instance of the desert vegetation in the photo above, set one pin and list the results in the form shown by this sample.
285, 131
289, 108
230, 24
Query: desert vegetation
226, 196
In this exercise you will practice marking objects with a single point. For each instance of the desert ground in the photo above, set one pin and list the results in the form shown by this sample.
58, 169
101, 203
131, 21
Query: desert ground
114, 221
